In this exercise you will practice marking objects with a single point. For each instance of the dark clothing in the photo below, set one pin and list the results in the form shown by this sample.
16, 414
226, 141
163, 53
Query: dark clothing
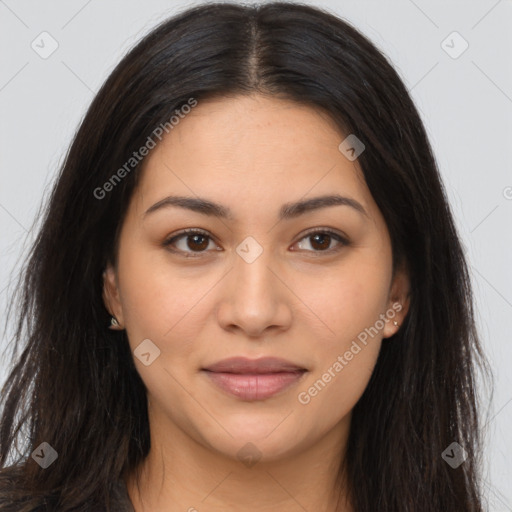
14, 499
120, 499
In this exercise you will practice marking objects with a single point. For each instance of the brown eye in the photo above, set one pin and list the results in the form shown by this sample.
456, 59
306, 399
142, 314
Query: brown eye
197, 242
189, 242
321, 241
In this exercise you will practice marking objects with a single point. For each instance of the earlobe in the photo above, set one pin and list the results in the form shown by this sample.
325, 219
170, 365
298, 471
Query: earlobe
111, 298
398, 305
395, 315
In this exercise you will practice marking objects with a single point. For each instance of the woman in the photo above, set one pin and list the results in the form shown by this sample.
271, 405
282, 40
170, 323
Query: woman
248, 292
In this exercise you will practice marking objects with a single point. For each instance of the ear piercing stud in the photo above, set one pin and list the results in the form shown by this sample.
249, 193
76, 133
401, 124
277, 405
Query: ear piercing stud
114, 324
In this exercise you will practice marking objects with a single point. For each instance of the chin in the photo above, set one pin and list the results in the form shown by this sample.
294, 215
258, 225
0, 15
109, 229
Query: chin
263, 438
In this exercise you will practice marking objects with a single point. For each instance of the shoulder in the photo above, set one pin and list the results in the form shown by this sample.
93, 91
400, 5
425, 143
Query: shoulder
14, 496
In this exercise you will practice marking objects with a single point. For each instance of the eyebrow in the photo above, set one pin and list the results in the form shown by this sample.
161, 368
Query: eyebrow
287, 210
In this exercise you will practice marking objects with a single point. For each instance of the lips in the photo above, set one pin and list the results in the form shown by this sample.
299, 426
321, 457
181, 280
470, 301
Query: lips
257, 366
251, 379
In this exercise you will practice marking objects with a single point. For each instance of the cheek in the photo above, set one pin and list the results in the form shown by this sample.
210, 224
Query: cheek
347, 350
165, 308
158, 303
349, 337
335, 388
343, 302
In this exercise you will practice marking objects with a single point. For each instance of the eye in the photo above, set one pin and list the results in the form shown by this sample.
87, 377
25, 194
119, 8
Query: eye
320, 240
195, 241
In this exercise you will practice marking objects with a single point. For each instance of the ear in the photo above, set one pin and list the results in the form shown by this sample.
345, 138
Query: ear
398, 303
111, 294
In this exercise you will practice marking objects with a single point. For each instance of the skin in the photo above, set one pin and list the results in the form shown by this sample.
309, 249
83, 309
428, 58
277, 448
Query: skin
296, 301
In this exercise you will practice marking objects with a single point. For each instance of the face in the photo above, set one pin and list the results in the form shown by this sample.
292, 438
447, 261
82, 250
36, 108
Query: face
260, 277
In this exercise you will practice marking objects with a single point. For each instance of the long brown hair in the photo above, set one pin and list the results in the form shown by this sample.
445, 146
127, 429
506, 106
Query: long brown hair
73, 383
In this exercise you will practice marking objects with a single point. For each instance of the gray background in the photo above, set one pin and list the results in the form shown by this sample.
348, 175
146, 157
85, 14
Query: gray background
466, 104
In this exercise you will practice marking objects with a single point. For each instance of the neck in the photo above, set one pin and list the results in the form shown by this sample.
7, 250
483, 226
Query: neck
180, 474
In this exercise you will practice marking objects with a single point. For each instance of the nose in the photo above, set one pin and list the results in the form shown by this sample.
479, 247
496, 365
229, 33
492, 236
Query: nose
254, 300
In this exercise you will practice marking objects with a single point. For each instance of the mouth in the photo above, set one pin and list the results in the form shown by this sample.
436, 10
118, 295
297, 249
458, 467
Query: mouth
252, 380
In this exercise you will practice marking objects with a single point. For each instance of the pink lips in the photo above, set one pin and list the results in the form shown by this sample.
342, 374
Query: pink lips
254, 379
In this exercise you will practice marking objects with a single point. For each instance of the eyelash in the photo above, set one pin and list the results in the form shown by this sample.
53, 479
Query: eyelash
326, 231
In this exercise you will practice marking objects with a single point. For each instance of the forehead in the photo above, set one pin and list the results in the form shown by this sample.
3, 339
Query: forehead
251, 146
267, 128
